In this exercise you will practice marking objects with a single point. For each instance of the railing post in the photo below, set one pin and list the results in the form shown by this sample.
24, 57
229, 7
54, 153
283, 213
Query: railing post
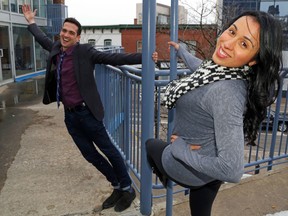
275, 126
173, 75
147, 111
127, 114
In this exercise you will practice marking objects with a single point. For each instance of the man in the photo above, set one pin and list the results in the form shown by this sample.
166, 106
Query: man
69, 78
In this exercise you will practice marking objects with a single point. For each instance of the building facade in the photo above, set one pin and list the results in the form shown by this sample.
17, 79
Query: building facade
20, 55
231, 8
130, 36
163, 13
102, 36
199, 39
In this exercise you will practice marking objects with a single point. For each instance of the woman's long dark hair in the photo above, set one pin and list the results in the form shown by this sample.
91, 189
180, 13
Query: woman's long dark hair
264, 82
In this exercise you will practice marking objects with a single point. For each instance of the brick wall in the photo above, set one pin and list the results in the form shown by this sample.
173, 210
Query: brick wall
205, 40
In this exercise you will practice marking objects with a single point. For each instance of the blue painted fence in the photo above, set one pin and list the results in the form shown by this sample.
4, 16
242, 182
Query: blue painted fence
133, 113
122, 94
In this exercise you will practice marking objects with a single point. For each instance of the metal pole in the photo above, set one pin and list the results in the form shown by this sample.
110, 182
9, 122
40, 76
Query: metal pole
173, 75
173, 61
148, 70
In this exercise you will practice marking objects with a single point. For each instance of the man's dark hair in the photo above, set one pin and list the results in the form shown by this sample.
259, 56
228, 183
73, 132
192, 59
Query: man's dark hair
74, 21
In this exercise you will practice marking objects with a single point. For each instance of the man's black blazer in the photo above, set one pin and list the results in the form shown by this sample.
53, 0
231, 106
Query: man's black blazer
84, 59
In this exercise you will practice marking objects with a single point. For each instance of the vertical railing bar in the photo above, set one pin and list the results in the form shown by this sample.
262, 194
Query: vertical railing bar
148, 44
138, 126
173, 74
127, 114
275, 127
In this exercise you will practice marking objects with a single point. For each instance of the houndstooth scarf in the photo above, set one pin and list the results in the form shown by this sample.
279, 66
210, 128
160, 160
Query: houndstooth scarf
208, 72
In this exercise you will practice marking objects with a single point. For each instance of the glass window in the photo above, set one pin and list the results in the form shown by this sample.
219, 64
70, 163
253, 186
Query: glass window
41, 56
107, 42
5, 5
13, 5
140, 19
23, 49
20, 3
43, 9
36, 6
92, 42
139, 46
279, 9
162, 19
41, 6
5, 60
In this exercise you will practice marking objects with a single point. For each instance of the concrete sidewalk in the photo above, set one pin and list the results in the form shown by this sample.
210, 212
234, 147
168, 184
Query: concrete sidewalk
49, 177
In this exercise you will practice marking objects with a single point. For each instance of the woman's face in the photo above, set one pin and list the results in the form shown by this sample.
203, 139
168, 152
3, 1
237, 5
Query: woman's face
239, 44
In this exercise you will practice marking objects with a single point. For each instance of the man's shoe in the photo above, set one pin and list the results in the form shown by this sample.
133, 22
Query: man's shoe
125, 201
112, 199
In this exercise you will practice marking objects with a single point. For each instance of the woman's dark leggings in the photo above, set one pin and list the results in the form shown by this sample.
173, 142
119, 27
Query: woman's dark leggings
200, 198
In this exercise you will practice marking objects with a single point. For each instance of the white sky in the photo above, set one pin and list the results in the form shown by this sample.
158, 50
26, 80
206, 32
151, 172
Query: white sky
109, 12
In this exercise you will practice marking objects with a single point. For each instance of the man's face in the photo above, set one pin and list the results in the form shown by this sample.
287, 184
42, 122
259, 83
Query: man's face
68, 35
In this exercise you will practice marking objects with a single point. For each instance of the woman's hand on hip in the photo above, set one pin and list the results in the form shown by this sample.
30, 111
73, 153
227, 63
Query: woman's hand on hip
192, 146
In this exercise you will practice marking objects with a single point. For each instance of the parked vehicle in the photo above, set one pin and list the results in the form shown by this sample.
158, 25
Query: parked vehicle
282, 120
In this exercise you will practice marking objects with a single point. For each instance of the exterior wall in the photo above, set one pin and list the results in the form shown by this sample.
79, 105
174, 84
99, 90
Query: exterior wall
139, 15
232, 8
56, 14
130, 38
20, 55
203, 44
203, 48
183, 14
162, 9
99, 35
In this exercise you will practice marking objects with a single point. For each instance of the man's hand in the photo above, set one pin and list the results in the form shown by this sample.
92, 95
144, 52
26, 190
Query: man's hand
28, 14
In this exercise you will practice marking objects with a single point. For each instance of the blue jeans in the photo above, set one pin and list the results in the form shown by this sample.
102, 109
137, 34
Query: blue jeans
89, 133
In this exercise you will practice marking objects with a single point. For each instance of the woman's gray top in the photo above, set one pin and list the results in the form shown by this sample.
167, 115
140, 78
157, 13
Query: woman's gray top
210, 116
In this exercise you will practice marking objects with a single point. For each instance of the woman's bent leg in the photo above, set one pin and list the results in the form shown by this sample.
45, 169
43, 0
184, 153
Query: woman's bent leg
154, 149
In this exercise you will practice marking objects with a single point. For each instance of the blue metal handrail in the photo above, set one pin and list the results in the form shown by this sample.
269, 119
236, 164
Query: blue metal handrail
122, 89
133, 113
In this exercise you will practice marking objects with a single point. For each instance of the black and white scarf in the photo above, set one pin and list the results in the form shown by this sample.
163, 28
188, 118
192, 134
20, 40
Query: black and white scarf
207, 72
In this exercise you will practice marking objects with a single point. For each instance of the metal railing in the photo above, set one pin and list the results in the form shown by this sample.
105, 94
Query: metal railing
121, 91
272, 142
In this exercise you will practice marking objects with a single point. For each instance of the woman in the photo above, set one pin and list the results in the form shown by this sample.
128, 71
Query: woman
218, 108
